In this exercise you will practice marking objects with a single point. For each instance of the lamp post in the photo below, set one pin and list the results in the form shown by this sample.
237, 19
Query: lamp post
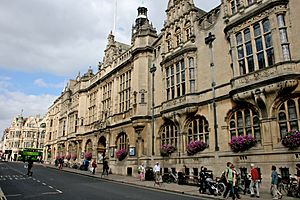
152, 71
209, 41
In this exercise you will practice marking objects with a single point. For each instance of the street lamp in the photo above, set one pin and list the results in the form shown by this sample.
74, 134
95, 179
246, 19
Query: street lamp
209, 41
152, 71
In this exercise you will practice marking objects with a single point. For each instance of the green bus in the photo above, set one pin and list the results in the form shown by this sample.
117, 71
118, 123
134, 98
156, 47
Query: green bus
34, 154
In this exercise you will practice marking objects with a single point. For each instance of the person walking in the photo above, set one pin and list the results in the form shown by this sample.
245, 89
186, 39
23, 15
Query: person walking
229, 180
235, 183
156, 170
254, 181
29, 167
274, 182
94, 166
105, 167
142, 171
298, 177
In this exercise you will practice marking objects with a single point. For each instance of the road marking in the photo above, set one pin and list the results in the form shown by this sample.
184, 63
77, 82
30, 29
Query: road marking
59, 191
49, 193
13, 195
50, 186
38, 181
44, 184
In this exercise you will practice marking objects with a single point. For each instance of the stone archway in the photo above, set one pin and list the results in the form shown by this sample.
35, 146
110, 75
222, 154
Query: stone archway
101, 149
89, 146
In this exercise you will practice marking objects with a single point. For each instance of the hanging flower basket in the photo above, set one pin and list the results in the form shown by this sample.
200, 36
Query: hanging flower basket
88, 155
121, 154
196, 146
242, 143
166, 150
74, 156
291, 140
68, 157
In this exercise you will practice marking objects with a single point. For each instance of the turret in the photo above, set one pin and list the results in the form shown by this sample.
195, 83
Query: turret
142, 25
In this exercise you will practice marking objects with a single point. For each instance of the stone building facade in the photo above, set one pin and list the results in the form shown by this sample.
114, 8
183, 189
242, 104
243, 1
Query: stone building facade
209, 76
24, 132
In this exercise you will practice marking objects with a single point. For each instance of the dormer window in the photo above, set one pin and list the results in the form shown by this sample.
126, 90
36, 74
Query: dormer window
234, 6
178, 37
188, 30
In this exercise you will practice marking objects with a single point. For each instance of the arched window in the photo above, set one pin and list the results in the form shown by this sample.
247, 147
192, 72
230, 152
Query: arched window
169, 42
245, 122
178, 36
89, 146
122, 141
169, 135
198, 130
288, 116
188, 30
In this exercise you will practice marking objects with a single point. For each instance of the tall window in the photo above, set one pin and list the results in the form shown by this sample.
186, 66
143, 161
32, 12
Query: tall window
169, 135
245, 122
125, 88
192, 75
198, 130
178, 37
263, 47
92, 107
175, 80
284, 37
106, 99
188, 30
234, 6
122, 141
289, 116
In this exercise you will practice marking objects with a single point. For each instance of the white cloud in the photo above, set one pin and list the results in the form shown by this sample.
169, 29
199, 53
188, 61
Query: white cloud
64, 37
41, 83
11, 104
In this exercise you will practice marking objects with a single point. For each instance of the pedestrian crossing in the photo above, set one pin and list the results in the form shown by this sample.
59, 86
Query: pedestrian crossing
13, 177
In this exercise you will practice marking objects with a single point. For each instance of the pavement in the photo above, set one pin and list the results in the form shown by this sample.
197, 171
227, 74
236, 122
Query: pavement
169, 187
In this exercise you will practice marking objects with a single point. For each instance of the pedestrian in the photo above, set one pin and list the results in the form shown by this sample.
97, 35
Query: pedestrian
229, 180
94, 166
254, 181
235, 183
142, 171
156, 170
274, 182
29, 167
298, 176
60, 163
105, 167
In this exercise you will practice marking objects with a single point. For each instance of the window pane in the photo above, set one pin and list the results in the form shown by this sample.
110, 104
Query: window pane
247, 36
286, 52
249, 48
257, 31
250, 64
192, 73
282, 116
259, 44
292, 110
268, 40
261, 60
239, 39
281, 20
242, 67
266, 26
271, 57
240, 52
283, 36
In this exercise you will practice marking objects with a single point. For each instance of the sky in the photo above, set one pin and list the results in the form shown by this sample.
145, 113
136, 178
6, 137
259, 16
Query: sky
44, 43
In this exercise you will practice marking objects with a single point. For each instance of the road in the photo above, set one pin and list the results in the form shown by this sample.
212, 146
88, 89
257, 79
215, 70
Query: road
47, 183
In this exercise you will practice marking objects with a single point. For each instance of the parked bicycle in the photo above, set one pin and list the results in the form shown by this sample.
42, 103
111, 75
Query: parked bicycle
288, 187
